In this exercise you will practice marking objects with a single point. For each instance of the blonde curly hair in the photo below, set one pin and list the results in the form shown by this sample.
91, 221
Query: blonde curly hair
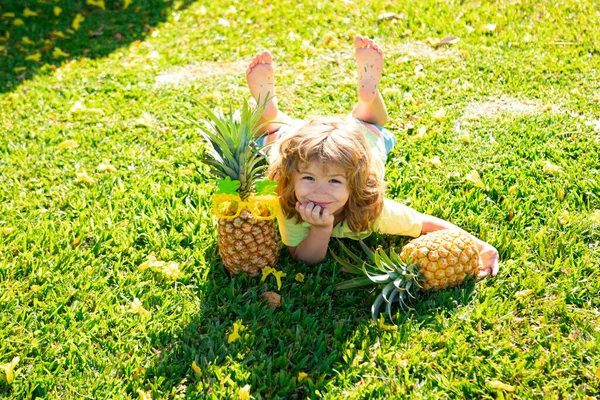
332, 140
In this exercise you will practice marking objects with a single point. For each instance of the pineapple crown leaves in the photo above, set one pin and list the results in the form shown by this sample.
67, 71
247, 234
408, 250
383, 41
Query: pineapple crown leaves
397, 276
230, 144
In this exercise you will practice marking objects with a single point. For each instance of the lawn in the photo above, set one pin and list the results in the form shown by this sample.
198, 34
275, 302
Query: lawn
498, 133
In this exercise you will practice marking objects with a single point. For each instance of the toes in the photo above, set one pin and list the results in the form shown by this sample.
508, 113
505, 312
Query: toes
266, 57
358, 41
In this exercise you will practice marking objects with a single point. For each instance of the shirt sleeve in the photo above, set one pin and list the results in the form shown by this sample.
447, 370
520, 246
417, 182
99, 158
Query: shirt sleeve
292, 233
398, 219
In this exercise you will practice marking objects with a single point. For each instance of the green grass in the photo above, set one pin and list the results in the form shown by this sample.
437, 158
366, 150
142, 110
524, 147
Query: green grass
69, 268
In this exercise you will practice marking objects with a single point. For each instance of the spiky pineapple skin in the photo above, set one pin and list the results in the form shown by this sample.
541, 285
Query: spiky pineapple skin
445, 258
247, 245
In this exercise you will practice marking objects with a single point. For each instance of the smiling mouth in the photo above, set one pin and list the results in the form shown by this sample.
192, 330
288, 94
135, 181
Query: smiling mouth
320, 204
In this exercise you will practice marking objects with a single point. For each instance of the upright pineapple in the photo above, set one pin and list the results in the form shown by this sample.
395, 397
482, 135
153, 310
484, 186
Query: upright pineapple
434, 261
244, 205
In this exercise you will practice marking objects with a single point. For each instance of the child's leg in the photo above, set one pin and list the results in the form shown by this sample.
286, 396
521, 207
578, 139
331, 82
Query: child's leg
369, 62
261, 80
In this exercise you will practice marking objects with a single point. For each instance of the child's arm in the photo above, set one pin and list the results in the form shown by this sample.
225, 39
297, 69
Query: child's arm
488, 253
313, 248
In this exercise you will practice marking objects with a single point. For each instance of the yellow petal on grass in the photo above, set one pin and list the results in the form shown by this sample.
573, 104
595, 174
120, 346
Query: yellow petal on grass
2, 48
465, 137
421, 133
151, 263
7, 230
105, 166
440, 115
523, 293
196, 368
57, 53
595, 217
29, 13
244, 393
266, 271
27, 41
501, 386
161, 163
77, 21
19, 69
8, 15
126, 4
235, 335
299, 277
66, 144
564, 218
136, 307
171, 270
302, 376
78, 107
551, 168
97, 3
34, 57
435, 161
144, 395
18, 22
82, 176
9, 369
58, 34
57, 10
474, 178
278, 276
383, 326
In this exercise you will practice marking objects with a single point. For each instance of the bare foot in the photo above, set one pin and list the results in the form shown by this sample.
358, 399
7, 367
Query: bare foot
369, 62
261, 80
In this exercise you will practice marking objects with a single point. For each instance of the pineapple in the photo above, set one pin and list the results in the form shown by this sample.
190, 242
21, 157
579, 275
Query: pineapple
435, 261
245, 204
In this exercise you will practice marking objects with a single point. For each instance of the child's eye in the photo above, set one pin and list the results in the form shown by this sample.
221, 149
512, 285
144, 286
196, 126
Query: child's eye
335, 181
308, 178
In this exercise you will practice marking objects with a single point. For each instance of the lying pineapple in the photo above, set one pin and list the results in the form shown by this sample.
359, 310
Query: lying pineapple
245, 204
434, 261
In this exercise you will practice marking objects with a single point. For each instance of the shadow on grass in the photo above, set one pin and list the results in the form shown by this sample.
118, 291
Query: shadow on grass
315, 331
36, 36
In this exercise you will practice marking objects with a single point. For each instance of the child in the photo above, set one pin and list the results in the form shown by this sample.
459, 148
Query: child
330, 170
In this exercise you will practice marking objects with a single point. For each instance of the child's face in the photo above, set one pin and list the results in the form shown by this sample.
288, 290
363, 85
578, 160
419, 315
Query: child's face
324, 185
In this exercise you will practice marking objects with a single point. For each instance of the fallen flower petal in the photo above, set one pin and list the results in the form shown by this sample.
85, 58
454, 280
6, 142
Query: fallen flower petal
144, 395
474, 178
501, 386
302, 376
138, 308
235, 335
59, 53
57, 10
244, 393
7, 230
595, 217
9, 369
299, 277
97, 3
29, 13
82, 176
266, 272
278, 276
34, 57
551, 168
68, 144
77, 21
195, 367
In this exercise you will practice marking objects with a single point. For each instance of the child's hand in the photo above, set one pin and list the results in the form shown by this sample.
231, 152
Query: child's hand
315, 215
489, 260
